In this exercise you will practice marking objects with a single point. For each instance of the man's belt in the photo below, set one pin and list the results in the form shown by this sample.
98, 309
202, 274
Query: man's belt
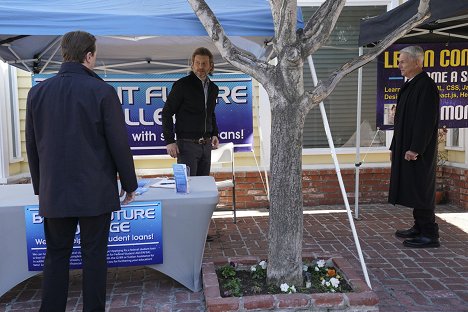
198, 141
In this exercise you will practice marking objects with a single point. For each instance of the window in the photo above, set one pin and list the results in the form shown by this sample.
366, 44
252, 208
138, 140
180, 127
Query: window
10, 132
341, 104
455, 138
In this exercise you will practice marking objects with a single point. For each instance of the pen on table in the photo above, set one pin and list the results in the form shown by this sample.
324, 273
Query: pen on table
165, 183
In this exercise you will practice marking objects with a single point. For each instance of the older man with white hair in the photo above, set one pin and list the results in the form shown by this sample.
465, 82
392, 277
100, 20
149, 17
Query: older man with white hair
414, 150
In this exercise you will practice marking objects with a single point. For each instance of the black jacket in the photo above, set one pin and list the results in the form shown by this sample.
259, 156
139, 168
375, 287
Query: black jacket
412, 183
76, 143
186, 101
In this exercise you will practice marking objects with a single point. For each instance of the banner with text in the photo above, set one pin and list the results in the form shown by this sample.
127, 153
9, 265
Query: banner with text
143, 98
447, 64
135, 237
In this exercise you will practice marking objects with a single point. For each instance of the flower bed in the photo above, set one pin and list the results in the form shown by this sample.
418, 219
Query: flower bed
359, 298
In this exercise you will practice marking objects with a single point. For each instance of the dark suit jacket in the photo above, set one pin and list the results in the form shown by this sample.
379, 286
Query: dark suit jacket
186, 101
76, 143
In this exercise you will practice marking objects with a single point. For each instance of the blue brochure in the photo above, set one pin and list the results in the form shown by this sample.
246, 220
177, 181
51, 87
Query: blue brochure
180, 178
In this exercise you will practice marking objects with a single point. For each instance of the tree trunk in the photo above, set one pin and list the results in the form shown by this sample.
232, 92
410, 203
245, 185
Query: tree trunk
286, 219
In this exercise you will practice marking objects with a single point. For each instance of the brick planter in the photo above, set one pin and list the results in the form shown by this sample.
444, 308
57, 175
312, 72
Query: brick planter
361, 299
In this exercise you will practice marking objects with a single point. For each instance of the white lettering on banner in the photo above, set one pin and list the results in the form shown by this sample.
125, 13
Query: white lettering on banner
464, 76
236, 96
120, 227
130, 90
36, 218
40, 241
231, 135
144, 136
141, 115
150, 95
125, 238
438, 77
457, 112
134, 214
157, 117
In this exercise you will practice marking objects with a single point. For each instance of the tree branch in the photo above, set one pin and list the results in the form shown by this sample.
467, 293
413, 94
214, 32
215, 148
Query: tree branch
320, 25
322, 90
237, 57
285, 21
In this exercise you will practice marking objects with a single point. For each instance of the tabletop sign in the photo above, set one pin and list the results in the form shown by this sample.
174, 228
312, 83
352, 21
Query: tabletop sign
135, 237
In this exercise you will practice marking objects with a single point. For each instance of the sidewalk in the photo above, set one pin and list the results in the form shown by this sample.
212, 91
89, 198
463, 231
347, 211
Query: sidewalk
404, 279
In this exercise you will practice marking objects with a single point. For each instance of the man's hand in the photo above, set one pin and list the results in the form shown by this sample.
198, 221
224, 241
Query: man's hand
410, 155
129, 197
172, 150
214, 142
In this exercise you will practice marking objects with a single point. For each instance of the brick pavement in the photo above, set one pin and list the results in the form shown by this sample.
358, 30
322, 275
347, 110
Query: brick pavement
404, 279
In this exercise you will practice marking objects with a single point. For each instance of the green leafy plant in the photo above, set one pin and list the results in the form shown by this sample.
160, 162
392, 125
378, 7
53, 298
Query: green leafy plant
227, 271
233, 287
319, 276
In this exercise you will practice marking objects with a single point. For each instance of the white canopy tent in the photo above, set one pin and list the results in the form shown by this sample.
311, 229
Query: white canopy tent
133, 37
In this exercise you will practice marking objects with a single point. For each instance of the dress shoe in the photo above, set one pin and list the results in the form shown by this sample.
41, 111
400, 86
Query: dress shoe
410, 233
421, 242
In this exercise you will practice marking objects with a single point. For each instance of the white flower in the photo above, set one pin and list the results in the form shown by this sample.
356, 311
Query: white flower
305, 267
292, 289
323, 282
253, 268
308, 284
321, 263
316, 269
327, 284
263, 264
284, 287
335, 282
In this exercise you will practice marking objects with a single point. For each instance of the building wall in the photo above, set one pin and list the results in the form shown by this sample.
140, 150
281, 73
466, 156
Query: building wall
320, 187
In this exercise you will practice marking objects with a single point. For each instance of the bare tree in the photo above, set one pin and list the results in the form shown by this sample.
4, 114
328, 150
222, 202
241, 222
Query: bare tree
290, 104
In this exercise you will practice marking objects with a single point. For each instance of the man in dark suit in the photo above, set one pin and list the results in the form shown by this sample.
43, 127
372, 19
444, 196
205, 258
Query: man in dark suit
76, 143
193, 100
414, 150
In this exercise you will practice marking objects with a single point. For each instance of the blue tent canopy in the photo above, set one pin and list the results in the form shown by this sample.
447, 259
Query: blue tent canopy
133, 36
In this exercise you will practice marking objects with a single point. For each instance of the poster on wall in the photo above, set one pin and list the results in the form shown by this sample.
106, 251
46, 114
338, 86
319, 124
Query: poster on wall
446, 64
143, 98
135, 237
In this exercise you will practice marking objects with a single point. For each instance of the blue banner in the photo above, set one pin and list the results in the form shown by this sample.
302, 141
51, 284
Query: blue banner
446, 64
135, 237
143, 98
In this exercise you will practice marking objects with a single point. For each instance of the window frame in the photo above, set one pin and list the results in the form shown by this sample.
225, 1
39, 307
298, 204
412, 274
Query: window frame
10, 129
461, 140
390, 4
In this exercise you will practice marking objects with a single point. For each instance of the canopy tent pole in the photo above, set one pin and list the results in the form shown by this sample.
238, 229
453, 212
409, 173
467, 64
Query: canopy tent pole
358, 162
338, 174
18, 58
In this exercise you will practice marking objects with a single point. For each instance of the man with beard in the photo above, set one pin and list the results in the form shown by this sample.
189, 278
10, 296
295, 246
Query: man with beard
192, 100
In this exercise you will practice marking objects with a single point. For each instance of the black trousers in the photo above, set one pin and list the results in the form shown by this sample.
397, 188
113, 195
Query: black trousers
196, 156
424, 222
60, 234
